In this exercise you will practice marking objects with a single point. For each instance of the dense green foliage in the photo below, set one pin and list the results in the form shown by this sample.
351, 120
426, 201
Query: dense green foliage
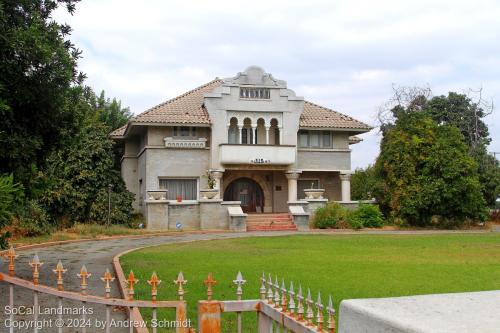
335, 216
8, 192
345, 266
367, 215
426, 175
81, 173
460, 111
54, 130
362, 183
37, 68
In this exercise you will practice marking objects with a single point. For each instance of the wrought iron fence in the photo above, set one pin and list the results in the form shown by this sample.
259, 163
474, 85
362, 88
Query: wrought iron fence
278, 310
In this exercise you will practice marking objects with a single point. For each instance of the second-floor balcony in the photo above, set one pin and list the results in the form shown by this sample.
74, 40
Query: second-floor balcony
257, 154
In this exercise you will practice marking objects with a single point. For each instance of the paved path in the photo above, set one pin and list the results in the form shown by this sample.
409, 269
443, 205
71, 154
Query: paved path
97, 256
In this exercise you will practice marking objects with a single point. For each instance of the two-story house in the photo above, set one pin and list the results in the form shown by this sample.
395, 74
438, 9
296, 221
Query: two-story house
262, 144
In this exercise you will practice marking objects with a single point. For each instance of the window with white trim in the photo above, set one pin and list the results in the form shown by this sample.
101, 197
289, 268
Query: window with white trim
185, 188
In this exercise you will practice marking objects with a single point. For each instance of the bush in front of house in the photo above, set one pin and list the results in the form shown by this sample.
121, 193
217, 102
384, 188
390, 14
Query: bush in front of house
335, 216
331, 216
366, 216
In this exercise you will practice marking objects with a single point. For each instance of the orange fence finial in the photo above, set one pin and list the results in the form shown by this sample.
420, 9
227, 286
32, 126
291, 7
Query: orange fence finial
154, 282
132, 281
107, 278
209, 282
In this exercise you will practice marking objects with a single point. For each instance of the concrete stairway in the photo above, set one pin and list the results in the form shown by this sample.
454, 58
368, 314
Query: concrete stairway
270, 222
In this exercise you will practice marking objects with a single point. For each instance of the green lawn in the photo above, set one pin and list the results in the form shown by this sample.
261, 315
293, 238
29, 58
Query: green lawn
345, 266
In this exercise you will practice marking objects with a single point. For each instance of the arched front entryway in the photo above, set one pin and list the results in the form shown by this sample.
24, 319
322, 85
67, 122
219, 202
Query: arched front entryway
249, 192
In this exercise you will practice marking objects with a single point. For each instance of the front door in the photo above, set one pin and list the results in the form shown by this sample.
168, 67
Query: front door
248, 192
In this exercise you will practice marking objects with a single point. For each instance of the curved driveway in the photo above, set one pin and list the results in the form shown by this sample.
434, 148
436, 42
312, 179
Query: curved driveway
97, 255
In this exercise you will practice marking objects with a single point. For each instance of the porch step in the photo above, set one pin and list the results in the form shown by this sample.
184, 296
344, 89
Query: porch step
270, 222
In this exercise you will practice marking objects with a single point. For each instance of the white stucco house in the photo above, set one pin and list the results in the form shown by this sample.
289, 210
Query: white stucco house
261, 142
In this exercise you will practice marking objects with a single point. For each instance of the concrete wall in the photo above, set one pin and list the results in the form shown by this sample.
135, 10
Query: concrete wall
192, 215
340, 140
187, 213
188, 163
323, 159
475, 312
280, 196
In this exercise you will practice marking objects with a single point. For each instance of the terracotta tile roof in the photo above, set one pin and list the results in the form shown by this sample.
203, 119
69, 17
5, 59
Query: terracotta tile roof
184, 109
188, 109
318, 116
119, 131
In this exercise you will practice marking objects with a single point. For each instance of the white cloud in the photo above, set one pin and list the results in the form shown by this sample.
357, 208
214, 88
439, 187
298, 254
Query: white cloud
342, 54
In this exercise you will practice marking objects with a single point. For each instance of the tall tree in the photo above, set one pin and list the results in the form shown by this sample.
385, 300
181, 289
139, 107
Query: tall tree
38, 64
363, 182
465, 112
111, 113
427, 175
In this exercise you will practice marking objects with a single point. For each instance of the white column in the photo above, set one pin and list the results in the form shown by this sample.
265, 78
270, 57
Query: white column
217, 174
267, 135
345, 185
240, 134
292, 177
281, 134
254, 136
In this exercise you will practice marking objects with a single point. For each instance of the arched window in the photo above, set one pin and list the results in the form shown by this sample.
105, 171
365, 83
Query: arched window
274, 135
232, 135
247, 132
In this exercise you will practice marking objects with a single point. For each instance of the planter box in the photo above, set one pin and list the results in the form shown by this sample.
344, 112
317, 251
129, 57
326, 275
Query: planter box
208, 193
157, 195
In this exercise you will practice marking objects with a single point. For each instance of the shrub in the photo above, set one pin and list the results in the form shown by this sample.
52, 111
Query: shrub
333, 215
121, 203
8, 192
368, 216
33, 221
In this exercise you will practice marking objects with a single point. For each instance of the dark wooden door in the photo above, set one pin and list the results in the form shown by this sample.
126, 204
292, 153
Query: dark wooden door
248, 192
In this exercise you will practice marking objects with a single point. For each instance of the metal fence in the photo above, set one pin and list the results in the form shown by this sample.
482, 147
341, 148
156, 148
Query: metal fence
278, 310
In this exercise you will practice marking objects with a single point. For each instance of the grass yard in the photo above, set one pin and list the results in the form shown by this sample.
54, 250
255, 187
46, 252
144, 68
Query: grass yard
345, 266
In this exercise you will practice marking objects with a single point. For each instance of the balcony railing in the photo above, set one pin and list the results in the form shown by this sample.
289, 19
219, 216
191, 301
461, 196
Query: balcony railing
257, 154
185, 143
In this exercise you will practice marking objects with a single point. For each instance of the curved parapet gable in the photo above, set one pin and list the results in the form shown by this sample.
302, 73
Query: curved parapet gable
256, 76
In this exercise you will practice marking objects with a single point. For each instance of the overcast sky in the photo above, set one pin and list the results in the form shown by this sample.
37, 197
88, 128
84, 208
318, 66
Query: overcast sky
345, 55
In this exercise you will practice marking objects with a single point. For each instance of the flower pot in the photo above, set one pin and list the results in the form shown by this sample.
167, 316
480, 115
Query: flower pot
179, 198
208, 193
157, 195
314, 193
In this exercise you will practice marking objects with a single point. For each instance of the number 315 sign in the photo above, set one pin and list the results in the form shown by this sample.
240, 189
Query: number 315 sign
260, 161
